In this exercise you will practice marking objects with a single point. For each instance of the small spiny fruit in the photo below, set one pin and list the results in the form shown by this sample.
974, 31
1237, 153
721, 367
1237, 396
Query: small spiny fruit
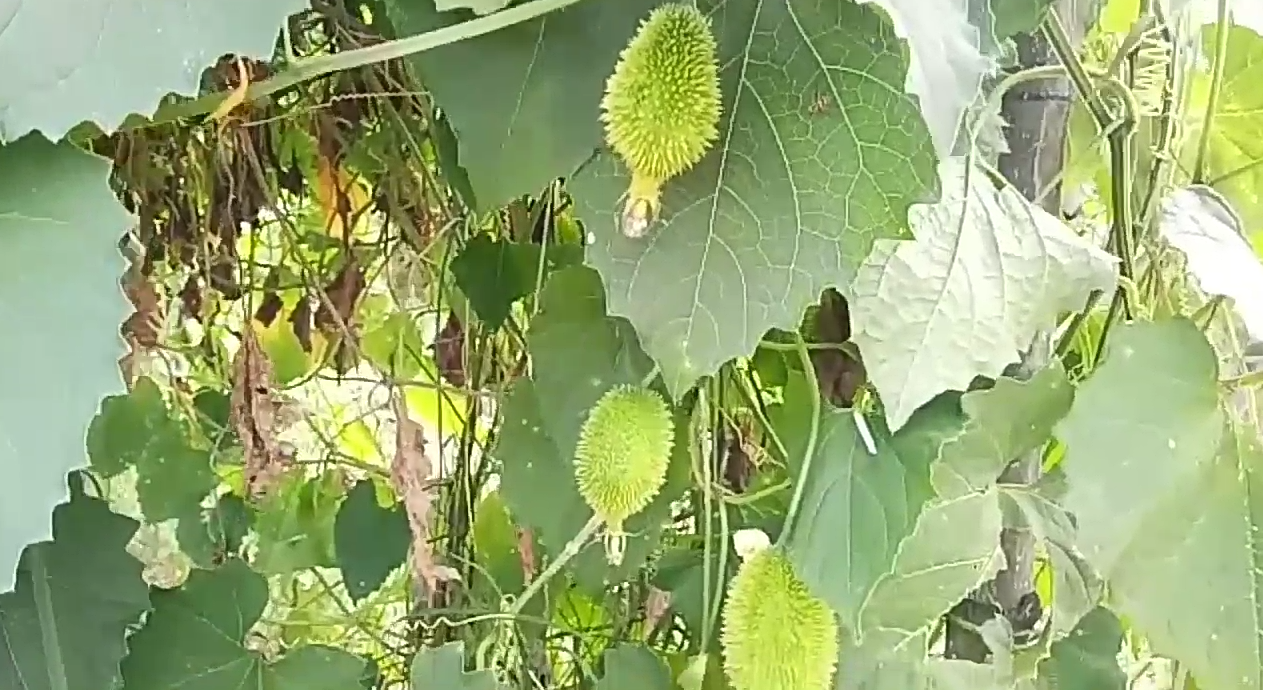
661, 106
776, 635
622, 456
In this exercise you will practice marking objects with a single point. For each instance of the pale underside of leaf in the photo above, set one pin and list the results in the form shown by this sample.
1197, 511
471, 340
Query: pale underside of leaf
62, 306
102, 60
1200, 223
946, 62
986, 270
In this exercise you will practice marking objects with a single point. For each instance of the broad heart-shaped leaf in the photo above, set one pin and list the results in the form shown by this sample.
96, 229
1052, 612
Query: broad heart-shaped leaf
634, 666
856, 508
820, 153
986, 270
522, 100
1235, 144
577, 353
495, 273
947, 62
101, 60
1165, 492
370, 540
1200, 223
1087, 658
195, 640
139, 430
1005, 421
295, 524
59, 272
444, 667
891, 661
64, 626
1145, 423
954, 549
208, 535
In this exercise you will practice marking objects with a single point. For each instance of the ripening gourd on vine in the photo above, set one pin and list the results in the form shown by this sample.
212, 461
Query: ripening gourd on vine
661, 106
776, 634
622, 457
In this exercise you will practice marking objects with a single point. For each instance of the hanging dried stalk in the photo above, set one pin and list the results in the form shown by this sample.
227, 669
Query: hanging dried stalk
253, 414
410, 475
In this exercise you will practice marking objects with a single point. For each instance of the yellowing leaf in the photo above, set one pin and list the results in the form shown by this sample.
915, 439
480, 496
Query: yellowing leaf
334, 187
289, 361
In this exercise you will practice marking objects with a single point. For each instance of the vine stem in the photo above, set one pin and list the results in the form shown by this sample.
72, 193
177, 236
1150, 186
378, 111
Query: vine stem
568, 552
1216, 86
311, 68
809, 453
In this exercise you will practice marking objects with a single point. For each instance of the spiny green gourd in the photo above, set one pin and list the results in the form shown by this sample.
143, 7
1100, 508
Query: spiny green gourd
622, 457
662, 105
776, 635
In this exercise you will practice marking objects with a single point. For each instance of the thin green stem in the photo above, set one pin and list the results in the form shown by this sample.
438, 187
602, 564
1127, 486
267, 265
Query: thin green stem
809, 453
1216, 86
568, 552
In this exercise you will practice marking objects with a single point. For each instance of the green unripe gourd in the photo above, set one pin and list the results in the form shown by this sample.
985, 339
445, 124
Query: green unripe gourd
622, 457
662, 105
776, 635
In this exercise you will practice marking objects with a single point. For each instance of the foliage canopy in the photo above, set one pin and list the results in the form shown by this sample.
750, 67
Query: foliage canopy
309, 304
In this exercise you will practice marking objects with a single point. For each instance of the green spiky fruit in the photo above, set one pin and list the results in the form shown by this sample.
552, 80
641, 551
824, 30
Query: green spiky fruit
662, 103
623, 453
776, 635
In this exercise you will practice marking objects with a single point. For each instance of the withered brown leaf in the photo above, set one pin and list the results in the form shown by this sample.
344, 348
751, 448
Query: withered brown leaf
410, 476
252, 411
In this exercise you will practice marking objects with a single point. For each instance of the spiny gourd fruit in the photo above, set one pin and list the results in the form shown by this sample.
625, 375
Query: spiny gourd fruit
776, 635
661, 106
622, 457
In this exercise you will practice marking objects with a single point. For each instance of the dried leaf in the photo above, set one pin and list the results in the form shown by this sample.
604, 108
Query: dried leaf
526, 552
253, 414
656, 605
343, 292
410, 475
838, 374
144, 326
449, 350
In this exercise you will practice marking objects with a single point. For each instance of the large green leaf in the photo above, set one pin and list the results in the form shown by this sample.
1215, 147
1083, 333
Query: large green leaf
1088, 658
634, 666
139, 430
1166, 493
955, 544
62, 306
577, 354
1005, 421
1155, 377
856, 508
986, 270
195, 639
522, 100
295, 524
208, 535
495, 273
371, 540
820, 153
1235, 146
100, 60
891, 662
444, 667
63, 627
